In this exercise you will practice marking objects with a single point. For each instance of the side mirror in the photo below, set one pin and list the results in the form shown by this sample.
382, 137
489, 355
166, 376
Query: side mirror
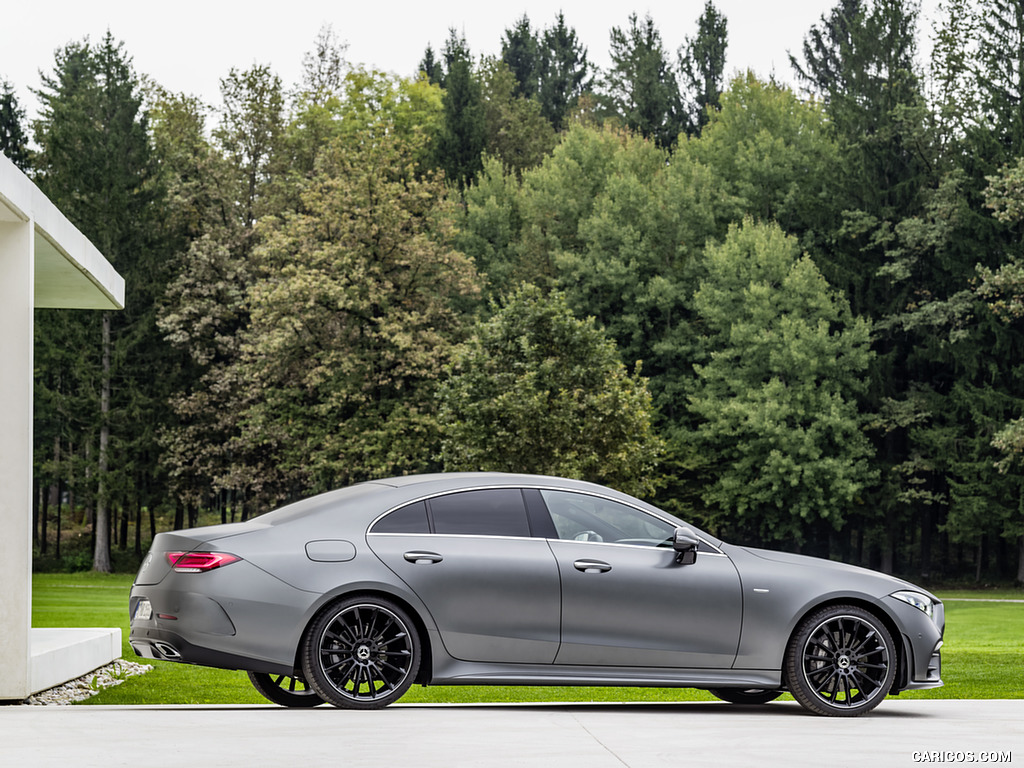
685, 543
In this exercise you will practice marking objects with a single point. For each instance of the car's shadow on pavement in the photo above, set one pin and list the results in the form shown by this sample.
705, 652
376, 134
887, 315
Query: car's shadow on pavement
775, 709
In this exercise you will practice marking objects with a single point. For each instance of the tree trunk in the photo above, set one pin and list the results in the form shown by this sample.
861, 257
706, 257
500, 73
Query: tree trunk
90, 509
42, 521
36, 501
1020, 559
888, 545
927, 528
101, 553
60, 499
138, 528
122, 539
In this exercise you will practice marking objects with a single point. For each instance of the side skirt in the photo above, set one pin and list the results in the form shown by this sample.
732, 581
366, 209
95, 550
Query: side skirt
452, 672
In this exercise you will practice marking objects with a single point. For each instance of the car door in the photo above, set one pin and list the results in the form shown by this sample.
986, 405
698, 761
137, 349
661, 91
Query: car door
627, 601
491, 588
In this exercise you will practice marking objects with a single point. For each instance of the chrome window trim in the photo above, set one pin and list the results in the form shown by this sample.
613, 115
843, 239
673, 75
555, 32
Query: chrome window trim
708, 553
713, 550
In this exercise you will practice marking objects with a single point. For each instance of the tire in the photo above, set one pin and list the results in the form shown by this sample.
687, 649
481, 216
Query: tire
284, 690
361, 653
841, 662
745, 695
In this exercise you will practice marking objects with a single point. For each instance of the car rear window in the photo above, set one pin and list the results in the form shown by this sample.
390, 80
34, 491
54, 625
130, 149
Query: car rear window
411, 518
492, 512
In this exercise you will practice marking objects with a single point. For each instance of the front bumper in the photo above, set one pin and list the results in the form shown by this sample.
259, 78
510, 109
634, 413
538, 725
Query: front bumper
922, 643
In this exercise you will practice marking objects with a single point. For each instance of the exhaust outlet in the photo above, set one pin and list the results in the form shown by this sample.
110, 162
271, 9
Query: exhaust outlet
167, 651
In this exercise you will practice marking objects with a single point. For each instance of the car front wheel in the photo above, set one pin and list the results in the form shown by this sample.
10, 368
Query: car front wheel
841, 661
361, 653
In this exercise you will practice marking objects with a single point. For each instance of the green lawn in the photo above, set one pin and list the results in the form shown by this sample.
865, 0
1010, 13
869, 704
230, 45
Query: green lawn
983, 656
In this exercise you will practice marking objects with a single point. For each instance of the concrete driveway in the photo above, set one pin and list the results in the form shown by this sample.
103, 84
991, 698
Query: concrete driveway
898, 733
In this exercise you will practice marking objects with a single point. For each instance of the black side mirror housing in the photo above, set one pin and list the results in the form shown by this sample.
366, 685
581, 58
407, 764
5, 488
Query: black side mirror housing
685, 543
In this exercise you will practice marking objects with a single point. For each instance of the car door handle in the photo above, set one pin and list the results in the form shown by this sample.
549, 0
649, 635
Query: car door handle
420, 558
591, 566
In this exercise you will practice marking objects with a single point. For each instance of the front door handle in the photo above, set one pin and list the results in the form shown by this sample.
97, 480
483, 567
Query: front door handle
591, 566
423, 558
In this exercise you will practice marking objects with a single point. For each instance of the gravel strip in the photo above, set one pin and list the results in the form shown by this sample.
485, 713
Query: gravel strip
90, 684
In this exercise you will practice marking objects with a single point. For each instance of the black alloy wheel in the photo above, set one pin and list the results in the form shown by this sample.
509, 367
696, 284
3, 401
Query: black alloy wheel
841, 662
745, 695
284, 690
361, 653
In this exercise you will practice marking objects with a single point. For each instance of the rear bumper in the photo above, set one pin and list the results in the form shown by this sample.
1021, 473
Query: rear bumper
164, 645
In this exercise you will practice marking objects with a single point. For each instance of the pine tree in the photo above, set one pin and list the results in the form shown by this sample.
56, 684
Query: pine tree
431, 67
1001, 72
464, 133
520, 52
96, 165
13, 141
702, 65
641, 86
565, 73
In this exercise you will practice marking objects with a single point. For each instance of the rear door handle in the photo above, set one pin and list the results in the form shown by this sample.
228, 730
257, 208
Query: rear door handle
591, 566
423, 558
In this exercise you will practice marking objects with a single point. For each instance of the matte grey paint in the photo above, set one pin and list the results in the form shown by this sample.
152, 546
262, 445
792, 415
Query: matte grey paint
507, 610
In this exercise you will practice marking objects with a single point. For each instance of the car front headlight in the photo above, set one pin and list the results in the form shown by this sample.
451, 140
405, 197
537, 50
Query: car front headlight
916, 599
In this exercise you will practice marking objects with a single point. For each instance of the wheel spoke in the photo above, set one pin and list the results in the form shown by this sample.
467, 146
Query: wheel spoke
857, 650
826, 671
335, 665
866, 683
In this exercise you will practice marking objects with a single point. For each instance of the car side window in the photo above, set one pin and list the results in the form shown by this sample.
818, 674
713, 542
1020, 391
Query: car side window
492, 512
412, 518
581, 517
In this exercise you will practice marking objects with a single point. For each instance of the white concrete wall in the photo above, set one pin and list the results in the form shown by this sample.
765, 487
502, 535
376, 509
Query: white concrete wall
44, 262
17, 257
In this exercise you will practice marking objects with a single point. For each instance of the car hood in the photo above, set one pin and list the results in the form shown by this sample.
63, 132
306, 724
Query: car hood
883, 579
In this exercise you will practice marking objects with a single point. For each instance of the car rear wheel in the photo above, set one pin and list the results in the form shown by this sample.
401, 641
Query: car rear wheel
284, 690
745, 695
361, 653
841, 662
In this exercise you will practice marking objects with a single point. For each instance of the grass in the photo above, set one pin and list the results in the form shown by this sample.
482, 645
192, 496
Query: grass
983, 656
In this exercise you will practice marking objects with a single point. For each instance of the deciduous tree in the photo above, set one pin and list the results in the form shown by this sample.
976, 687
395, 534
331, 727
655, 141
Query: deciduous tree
776, 397
537, 390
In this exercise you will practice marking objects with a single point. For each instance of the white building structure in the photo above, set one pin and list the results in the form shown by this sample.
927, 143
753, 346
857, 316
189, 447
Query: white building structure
45, 262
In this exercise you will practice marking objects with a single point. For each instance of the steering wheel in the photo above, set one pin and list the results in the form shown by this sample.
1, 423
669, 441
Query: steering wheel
588, 536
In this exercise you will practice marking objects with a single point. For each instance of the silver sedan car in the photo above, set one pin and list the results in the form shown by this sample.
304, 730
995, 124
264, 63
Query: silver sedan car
352, 596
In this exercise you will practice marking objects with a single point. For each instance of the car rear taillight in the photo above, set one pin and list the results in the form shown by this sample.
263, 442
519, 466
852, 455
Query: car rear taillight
199, 562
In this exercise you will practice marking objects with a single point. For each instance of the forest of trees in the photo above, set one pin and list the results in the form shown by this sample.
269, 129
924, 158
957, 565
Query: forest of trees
792, 314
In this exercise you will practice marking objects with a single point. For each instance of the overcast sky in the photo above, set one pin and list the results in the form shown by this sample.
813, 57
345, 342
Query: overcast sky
188, 45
